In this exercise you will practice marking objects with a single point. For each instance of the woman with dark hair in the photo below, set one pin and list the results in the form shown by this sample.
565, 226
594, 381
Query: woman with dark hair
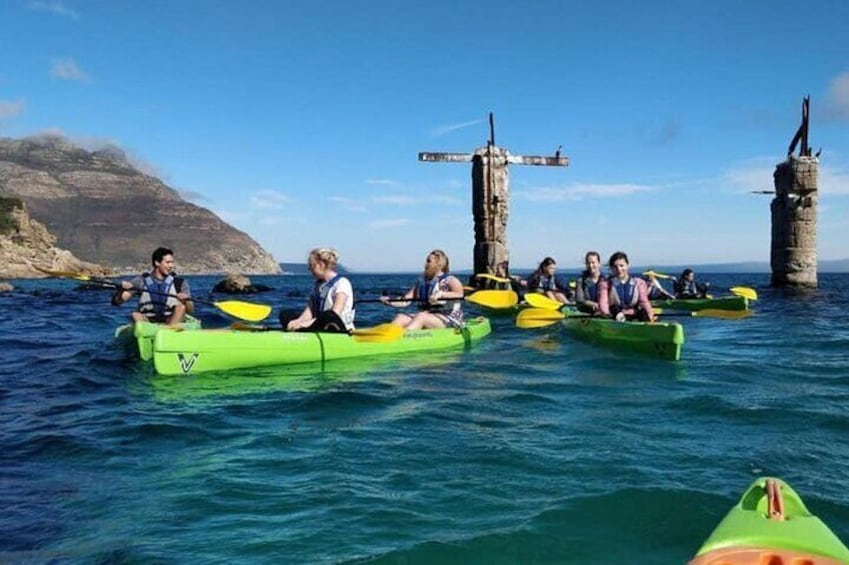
544, 281
622, 296
687, 287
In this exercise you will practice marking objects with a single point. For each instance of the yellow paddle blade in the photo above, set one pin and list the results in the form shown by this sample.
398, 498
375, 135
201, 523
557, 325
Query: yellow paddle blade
487, 276
745, 292
496, 299
64, 274
244, 310
379, 333
655, 274
724, 314
706, 313
538, 300
537, 318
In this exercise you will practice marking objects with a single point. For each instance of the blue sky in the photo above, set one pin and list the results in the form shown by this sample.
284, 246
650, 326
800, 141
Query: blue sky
300, 122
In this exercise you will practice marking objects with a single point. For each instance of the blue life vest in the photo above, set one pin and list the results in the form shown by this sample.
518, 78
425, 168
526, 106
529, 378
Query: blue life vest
687, 288
319, 294
157, 299
547, 283
426, 288
624, 294
590, 288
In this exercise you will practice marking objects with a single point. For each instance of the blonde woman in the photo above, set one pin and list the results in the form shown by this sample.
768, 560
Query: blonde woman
331, 304
438, 295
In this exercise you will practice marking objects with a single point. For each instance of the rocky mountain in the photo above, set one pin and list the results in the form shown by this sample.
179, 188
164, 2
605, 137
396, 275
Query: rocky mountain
24, 242
103, 209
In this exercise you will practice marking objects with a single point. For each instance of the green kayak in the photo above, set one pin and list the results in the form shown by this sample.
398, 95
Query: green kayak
770, 525
196, 351
662, 340
139, 336
696, 304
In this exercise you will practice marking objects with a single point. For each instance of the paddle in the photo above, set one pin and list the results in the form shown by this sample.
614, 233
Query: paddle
236, 308
380, 300
495, 299
541, 317
538, 300
379, 333
744, 291
538, 318
706, 313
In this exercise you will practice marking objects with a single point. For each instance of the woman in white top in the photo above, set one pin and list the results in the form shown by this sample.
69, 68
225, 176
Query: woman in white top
331, 304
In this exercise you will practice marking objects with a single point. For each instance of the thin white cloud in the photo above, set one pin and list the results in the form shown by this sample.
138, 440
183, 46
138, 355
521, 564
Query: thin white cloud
383, 182
405, 200
268, 221
749, 175
66, 68
269, 200
442, 130
398, 200
833, 181
53, 7
837, 98
351, 204
389, 224
10, 108
757, 174
581, 191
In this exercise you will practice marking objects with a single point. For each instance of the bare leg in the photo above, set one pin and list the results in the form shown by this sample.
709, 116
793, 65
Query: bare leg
426, 320
402, 320
178, 316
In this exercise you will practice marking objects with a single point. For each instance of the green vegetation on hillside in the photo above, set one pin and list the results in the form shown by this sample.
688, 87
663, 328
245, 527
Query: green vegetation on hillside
7, 223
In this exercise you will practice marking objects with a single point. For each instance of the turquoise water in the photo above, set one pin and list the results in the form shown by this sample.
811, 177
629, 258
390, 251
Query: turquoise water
529, 448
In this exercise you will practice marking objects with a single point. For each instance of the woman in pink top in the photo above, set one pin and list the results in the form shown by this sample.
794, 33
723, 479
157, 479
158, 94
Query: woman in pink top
622, 296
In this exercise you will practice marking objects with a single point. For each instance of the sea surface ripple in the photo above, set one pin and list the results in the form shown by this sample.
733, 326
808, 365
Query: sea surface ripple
528, 448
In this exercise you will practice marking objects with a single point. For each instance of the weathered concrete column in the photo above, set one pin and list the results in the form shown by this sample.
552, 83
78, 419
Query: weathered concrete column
490, 207
793, 254
491, 197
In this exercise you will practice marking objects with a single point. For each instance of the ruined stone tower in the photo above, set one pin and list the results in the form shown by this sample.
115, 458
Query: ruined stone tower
793, 253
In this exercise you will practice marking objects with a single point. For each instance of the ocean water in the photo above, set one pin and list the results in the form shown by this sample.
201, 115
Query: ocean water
528, 448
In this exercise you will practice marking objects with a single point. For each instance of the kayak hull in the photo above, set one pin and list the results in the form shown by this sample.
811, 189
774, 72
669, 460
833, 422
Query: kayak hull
696, 304
138, 336
747, 534
197, 351
662, 340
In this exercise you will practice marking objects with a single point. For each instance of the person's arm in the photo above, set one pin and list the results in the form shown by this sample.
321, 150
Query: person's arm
305, 319
603, 298
400, 303
340, 298
126, 290
643, 298
185, 296
454, 292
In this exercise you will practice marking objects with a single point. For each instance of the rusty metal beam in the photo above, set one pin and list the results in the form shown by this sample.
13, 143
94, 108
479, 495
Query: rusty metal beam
446, 157
535, 160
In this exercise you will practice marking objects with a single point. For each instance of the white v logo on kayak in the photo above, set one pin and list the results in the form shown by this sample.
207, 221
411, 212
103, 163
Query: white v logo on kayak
186, 364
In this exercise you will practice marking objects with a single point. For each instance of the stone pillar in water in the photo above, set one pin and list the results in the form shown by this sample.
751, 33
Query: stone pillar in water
491, 208
793, 256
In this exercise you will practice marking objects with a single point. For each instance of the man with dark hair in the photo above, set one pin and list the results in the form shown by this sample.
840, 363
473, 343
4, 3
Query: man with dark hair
163, 296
